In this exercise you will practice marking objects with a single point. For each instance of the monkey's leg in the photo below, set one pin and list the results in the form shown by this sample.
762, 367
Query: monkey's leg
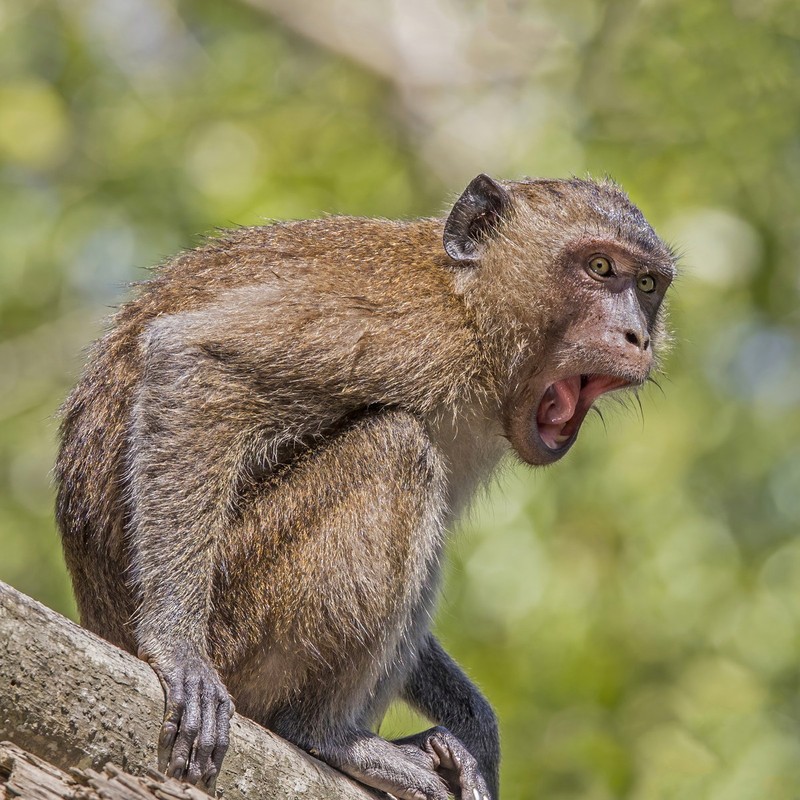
358, 529
429, 766
438, 688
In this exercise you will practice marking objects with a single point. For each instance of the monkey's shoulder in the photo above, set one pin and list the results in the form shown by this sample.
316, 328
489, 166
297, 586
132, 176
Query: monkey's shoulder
360, 260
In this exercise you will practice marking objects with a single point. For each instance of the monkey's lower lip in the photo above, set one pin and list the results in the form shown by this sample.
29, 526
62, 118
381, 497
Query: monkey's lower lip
566, 402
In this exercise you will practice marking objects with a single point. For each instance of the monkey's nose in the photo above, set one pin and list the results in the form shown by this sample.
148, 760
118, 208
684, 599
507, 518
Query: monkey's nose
638, 339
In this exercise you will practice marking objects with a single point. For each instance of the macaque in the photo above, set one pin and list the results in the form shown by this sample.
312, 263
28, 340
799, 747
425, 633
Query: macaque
262, 460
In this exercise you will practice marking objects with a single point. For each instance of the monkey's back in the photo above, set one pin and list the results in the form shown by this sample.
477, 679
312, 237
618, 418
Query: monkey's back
356, 259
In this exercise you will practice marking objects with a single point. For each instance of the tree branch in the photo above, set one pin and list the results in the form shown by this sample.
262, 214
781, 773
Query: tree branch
77, 701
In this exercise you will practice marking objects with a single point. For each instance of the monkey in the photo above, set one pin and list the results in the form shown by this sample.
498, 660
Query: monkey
262, 459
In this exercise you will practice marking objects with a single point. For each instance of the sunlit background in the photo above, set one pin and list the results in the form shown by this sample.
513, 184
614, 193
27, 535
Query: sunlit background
634, 612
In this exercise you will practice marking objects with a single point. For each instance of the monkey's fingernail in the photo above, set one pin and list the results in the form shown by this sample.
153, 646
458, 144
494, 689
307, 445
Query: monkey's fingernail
177, 768
476, 794
167, 735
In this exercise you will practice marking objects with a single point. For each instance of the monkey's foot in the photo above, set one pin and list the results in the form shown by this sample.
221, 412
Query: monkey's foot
451, 761
406, 773
195, 733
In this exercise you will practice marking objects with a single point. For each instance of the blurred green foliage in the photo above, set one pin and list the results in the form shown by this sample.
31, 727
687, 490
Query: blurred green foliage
633, 613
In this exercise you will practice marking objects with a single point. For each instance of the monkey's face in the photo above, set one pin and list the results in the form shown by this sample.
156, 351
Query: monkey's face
571, 278
602, 338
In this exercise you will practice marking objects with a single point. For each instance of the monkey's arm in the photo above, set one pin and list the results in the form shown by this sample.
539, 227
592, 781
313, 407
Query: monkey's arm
188, 434
439, 689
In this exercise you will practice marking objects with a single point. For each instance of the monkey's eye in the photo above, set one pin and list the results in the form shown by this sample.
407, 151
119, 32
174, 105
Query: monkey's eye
600, 265
646, 283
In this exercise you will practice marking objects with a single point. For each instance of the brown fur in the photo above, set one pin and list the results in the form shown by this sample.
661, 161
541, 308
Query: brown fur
264, 450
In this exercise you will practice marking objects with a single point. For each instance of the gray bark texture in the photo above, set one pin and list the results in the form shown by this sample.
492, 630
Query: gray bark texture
28, 777
77, 703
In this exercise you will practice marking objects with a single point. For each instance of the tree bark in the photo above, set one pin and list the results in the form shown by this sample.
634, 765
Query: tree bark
76, 701
24, 775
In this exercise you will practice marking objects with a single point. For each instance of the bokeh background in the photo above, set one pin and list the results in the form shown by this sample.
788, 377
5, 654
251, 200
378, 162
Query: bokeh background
634, 612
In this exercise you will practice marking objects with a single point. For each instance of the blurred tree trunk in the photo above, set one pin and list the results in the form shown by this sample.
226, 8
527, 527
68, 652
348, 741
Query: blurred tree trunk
452, 65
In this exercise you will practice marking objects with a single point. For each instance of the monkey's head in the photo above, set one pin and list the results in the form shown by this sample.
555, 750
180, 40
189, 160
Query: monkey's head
566, 279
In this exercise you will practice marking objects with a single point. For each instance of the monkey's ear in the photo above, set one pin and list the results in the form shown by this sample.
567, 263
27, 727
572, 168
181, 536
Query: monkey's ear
474, 217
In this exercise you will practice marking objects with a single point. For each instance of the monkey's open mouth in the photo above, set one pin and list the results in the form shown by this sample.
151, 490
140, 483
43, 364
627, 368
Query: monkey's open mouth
565, 403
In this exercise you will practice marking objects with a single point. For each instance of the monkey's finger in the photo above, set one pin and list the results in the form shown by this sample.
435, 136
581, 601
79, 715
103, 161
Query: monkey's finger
166, 738
461, 768
445, 755
200, 758
225, 711
187, 731
175, 707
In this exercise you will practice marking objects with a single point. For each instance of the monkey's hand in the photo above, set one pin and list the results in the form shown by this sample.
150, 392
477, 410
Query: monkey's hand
451, 761
195, 733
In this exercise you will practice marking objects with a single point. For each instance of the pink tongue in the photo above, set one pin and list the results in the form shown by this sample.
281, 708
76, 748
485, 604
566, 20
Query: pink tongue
559, 402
